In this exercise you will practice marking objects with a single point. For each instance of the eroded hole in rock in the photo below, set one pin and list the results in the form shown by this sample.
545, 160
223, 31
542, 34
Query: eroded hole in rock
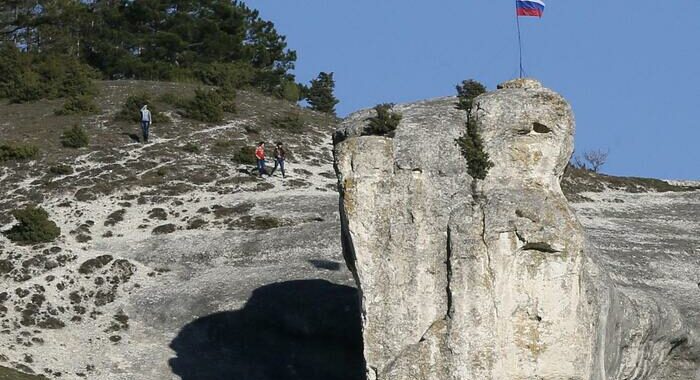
540, 128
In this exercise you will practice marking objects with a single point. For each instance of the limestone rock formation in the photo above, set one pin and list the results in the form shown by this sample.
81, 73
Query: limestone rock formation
488, 279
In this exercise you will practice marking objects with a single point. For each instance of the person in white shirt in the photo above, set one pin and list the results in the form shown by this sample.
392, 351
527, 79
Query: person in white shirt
145, 122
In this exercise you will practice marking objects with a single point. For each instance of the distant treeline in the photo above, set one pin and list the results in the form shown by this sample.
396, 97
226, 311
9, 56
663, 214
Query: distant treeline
50, 47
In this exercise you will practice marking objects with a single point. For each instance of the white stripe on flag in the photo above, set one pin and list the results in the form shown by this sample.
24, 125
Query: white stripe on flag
534, 1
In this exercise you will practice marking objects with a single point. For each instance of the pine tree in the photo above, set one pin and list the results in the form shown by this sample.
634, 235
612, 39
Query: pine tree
320, 94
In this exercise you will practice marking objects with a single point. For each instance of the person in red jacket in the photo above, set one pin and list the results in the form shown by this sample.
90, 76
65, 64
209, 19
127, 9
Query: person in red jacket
260, 156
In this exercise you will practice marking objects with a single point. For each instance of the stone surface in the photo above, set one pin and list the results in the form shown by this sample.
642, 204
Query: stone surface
489, 279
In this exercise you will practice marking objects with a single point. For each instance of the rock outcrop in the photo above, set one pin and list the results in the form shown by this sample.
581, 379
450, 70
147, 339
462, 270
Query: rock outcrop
465, 279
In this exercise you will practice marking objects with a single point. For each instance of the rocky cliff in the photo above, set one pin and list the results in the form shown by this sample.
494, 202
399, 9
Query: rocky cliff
492, 279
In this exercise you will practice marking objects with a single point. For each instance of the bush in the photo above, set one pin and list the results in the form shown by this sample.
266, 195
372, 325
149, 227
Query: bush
191, 148
205, 106
291, 121
384, 123
61, 169
77, 105
131, 110
33, 227
472, 147
76, 137
36, 76
245, 155
289, 91
18, 152
471, 143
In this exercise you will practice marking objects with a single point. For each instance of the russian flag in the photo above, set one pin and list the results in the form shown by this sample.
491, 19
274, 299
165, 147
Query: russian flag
530, 7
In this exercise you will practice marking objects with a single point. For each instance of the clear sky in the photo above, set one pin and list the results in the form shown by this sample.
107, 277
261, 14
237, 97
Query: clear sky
631, 70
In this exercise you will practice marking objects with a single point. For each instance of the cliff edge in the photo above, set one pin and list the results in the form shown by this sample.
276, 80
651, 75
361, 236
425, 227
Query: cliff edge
469, 279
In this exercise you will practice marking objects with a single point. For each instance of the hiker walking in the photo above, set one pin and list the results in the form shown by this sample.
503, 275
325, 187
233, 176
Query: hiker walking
145, 122
279, 159
260, 156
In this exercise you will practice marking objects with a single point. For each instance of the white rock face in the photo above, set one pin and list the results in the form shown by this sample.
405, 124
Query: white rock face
488, 279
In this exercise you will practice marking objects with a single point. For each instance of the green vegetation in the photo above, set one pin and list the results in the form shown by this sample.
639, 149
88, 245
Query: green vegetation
77, 105
205, 106
320, 94
471, 144
291, 121
385, 123
11, 374
131, 110
467, 91
76, 137
245, 155
18, 152
32, 76
33, 227
207, 40
191, 147
61, 169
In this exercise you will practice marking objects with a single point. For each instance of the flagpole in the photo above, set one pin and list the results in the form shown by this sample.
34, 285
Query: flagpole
520, 42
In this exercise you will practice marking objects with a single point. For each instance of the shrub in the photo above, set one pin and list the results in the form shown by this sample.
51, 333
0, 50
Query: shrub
471, 144
33, 227
131, 110
472, 147
191, 148
245, 155
291, 121
37, 76
18, 152
289, 91
61, 169
77, 105
205, 106
76, 137
384, 123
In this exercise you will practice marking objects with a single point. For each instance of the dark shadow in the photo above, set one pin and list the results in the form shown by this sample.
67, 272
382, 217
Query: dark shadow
133, 136
325, 264
296, 330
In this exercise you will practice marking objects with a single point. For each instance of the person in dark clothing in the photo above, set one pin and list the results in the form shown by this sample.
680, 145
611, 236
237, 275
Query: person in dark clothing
260, 157
279, 159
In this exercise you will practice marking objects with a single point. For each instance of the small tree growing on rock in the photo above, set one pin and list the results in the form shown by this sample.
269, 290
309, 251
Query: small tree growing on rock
471, 143
385, 122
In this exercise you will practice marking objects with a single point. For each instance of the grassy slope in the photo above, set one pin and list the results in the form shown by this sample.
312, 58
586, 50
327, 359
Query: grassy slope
113, 160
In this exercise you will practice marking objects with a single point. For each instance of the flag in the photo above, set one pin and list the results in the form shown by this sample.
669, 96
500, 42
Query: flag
530, 7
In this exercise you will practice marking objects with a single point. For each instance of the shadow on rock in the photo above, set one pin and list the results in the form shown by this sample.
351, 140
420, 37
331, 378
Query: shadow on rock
307, 329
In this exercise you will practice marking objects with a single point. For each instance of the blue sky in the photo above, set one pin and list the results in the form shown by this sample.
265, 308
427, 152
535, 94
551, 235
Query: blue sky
631, 70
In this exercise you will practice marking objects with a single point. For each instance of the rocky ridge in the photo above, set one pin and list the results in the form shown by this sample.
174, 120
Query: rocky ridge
494, 279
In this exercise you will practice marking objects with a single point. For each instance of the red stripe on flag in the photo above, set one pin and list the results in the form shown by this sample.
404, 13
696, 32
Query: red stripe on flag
529, 12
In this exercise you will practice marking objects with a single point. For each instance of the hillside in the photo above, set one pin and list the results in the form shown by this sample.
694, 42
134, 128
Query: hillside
154, 236
175, 261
